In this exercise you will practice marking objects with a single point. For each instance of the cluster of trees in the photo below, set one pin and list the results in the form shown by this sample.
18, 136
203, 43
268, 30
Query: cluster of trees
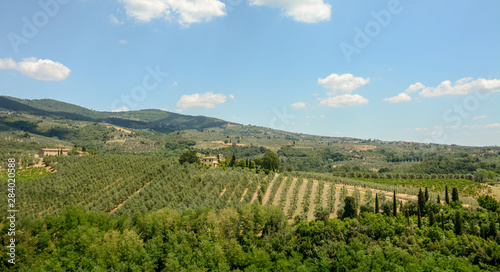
310, 160
383, 174
249, 238
452, 216
448, 165
269, 161
100, 182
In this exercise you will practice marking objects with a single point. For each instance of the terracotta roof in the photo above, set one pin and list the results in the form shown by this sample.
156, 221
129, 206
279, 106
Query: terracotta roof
54, 149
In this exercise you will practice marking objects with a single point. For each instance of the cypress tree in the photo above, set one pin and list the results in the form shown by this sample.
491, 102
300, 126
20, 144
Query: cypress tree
432, 219
459, 228
454, 194
419, 219
447, 197
421, 201
439, 200
394, 205
376, 203
350, 208
426, 195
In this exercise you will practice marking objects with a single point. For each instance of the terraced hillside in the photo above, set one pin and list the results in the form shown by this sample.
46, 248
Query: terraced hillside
118, 185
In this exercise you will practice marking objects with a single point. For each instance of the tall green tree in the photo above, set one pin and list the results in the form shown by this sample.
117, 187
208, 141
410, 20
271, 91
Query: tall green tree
350, 208
394, 205
376, 203
426, 194
421, 201
432, 218
438, 200
232, 161
271, 160
189, 157
446, 196
454, 194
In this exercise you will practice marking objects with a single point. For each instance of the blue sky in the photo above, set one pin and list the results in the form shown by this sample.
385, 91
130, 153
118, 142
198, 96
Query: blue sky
425, 71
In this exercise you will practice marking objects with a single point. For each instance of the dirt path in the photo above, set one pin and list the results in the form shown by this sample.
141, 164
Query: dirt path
302, 190
337, 201
404, 197
223, 191
277, 197
312, 205
289, 196
255, 194
244, 193
268, 191
325, 195
495, 191
136, 192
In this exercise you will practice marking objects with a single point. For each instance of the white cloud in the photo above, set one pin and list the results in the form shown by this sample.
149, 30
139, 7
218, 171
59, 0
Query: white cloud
46, 70
174, 84
322, 116
185, 12
115, 20
306, 11
402, 97
298, 105
206, 100
462, 86
421, 129
478, 117
340, 88
415, 87
342, 84
344, 100
123, 41
494, 125
231, 96
122, 109
164, 109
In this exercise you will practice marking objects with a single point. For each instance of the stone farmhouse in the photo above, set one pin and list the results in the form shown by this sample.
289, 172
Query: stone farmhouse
212, 161
53, 152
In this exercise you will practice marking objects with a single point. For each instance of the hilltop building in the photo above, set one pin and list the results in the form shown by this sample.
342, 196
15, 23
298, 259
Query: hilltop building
212, 161
53, 152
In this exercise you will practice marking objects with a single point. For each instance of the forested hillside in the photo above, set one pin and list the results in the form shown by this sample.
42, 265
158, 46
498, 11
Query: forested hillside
133, 196
255, 238
33, 124
157, 120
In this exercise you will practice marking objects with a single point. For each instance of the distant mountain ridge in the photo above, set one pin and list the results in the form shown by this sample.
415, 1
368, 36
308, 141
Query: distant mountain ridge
158, 120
